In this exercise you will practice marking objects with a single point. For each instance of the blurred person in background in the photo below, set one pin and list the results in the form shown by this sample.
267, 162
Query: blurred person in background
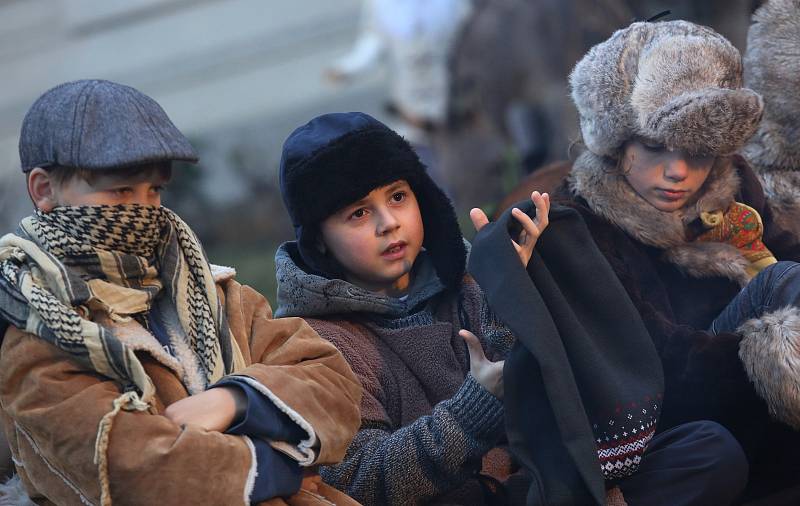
416, 36
772, 68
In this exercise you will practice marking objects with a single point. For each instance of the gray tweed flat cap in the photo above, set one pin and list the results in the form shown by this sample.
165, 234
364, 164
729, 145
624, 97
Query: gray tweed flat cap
674, 82
96, 124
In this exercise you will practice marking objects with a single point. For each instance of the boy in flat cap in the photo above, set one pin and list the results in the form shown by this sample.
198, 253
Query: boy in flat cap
132, 371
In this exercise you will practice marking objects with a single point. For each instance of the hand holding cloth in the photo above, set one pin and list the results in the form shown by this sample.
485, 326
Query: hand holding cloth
583, 382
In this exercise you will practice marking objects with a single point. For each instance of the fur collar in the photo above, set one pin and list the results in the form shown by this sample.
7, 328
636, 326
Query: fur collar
609, 195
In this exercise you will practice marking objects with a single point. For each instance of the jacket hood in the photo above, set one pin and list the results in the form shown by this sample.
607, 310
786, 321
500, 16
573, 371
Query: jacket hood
308, 295
608, 194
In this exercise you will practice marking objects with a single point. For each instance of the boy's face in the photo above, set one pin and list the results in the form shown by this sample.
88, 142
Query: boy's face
667, 180
377, 238
141, 187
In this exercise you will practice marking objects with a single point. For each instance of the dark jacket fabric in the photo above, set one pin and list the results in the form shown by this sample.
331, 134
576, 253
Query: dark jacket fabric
704, 375
584, 381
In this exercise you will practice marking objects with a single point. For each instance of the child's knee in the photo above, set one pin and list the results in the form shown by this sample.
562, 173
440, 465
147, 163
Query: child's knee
728, 464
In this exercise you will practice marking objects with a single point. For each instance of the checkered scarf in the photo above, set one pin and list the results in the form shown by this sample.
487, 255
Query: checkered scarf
61, 266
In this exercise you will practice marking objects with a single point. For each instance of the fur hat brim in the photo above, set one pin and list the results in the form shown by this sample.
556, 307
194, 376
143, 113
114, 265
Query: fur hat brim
712, 121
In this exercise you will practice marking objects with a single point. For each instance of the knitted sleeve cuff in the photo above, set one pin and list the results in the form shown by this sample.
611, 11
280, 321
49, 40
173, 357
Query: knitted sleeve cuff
478, 411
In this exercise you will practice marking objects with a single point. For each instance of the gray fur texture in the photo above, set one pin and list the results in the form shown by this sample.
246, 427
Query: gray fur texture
674, 82
710, 259
772, 68
12, 493
782, 188
609, 195
770, 352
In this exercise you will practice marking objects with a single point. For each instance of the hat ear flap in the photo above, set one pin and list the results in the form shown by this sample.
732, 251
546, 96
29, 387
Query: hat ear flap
443, 240
318, 259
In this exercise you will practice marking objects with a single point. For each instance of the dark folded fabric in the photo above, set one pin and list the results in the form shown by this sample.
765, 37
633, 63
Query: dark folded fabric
583, 383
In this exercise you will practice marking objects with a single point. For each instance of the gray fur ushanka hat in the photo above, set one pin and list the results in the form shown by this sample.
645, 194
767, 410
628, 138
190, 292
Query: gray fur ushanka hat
673, 82
772, 68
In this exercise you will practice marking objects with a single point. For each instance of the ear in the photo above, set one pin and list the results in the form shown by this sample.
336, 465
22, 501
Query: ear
42, 190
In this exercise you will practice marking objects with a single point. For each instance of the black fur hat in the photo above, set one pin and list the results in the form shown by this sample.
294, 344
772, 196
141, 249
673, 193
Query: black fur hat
336, 159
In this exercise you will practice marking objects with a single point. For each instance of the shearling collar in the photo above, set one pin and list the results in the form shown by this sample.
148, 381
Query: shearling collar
609, 195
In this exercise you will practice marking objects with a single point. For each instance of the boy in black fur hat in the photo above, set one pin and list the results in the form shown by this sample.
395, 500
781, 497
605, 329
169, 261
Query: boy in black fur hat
378, 268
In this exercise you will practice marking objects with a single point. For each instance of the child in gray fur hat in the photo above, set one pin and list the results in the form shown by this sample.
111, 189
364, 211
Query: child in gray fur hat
683, 221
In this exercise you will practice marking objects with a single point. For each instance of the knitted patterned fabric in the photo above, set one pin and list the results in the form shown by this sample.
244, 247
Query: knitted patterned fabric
63, 265
741, 227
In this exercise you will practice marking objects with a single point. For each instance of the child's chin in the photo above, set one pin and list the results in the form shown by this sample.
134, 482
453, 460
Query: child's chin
669, 207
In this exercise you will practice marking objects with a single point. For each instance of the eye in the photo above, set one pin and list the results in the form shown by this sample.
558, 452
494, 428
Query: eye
653, 147
125, 190
158, 188
398, 196
358, 213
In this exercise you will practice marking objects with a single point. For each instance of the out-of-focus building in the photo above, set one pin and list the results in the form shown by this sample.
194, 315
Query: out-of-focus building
235, 75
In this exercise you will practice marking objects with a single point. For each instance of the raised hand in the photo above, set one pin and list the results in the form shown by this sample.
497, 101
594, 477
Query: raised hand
489, 374
531, 228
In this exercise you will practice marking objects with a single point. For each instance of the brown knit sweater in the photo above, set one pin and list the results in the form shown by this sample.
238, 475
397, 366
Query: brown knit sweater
426, 424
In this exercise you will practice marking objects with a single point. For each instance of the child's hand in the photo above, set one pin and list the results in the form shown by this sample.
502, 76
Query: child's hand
213, 410
531, 228
311, 480
489, 374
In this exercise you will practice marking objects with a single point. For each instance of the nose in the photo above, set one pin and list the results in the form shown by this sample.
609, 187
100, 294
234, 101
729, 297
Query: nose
676, 169
387, 222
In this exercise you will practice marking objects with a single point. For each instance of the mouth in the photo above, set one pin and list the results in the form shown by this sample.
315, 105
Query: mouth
395, 250
670, 194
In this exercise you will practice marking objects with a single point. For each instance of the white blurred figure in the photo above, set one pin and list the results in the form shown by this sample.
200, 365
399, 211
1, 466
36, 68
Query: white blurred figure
416, 37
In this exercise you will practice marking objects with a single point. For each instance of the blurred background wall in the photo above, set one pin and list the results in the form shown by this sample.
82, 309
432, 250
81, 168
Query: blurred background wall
236, 76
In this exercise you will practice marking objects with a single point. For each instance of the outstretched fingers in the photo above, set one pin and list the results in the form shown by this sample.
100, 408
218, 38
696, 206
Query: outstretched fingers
479, 218
532, 228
